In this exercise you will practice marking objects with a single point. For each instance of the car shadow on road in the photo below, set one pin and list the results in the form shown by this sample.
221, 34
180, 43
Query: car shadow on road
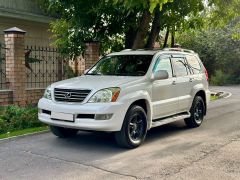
165, 131
93, 146
106, 142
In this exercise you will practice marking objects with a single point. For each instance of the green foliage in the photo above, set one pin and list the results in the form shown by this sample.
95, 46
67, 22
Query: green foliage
69, 72
182, 14
83, 21
219, 78
222, 12
141, 4
155, 3
15, 118
115, 23
108, 21
213, 98
218, 50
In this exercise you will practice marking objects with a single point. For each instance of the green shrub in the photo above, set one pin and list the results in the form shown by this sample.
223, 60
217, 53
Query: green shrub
219, 78
218, 50
16, 118
69, 72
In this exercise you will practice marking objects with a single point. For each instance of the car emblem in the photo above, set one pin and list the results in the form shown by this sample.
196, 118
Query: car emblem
68, 95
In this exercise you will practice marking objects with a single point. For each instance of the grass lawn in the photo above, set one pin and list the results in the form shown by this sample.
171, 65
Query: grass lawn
212, 98
24, 131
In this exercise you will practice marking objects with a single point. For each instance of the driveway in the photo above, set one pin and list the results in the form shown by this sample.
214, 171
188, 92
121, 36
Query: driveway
170, 152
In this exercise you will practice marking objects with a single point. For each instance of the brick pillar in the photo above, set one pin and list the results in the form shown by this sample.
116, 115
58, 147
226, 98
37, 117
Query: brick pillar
91, 54
15, 64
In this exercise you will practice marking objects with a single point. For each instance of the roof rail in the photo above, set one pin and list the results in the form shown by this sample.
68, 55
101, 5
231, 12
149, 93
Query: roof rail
178, 49
145, 49
127, 50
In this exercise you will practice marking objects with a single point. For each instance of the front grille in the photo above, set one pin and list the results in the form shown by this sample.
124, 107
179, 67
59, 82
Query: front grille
70, 95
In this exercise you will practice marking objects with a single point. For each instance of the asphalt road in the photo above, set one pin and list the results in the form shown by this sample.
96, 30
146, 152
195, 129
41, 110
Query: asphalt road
170, 152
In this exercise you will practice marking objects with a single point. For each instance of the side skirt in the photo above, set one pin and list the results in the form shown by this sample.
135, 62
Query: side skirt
169, 119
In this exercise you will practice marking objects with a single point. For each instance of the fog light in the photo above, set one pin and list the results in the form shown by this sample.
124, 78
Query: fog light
103, 116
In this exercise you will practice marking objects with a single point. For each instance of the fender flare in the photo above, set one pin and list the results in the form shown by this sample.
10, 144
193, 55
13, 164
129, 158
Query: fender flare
130, 98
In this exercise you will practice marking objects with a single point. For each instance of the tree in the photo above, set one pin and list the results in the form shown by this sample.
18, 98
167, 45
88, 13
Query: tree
119, 23
223, 11
218, 50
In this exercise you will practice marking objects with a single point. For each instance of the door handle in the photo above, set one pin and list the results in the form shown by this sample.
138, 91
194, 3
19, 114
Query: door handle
174, 83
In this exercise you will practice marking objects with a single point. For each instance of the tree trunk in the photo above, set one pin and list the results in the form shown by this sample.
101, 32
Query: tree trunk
155, 29
130, 33
173, 38
129, 38
166, 39
142, 30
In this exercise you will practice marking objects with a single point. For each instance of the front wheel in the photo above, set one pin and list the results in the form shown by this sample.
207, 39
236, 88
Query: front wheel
63, 132
134, 128
197, 113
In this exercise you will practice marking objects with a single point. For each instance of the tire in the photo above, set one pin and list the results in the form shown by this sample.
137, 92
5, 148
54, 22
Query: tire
197, 113
134, 128
63, 132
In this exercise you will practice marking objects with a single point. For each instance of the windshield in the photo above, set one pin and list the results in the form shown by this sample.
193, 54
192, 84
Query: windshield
122, 65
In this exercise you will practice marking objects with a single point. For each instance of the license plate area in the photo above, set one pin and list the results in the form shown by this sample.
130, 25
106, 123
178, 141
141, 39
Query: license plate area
62, 116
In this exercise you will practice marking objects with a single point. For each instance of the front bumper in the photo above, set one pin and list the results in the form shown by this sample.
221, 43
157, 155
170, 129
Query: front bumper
113, 124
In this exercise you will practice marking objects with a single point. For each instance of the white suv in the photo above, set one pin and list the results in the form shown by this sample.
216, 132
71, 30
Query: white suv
129, 92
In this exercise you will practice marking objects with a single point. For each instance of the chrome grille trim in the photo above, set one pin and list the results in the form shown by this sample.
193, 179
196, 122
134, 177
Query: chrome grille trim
70, 95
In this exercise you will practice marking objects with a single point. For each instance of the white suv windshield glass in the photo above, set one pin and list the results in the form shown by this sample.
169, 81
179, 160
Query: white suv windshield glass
122, 65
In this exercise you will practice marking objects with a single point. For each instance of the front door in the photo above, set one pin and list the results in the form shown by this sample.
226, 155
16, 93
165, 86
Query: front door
164, 93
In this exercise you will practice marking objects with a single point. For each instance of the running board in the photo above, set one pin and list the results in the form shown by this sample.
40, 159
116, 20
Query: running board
169, 119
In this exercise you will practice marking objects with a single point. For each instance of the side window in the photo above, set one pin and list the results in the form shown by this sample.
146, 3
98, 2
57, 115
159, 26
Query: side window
164, 64
180, 66
194, 65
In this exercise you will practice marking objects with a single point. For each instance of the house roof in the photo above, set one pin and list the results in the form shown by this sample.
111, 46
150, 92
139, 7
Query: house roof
24, 10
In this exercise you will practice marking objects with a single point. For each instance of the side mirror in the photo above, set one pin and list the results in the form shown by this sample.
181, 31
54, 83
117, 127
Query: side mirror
86, 70
160, 74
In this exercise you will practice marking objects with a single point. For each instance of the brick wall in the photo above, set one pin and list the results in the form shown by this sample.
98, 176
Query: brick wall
33, 95
16, 71
15, 64
91, 54
6, 97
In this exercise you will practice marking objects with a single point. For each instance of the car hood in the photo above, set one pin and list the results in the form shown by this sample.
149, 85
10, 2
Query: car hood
96, 82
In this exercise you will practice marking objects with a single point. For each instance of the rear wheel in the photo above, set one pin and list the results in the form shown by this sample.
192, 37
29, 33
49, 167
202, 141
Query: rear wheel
63, 132
197, 113
134, 128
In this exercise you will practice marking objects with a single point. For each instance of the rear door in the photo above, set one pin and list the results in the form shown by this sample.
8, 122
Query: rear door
183, 82
164, 94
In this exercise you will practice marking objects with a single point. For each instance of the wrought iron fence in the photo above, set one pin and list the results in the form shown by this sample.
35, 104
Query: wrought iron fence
3, 84
45, 65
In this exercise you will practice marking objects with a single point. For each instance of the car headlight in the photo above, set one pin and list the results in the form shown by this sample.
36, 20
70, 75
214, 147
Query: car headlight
47, 93
105, 95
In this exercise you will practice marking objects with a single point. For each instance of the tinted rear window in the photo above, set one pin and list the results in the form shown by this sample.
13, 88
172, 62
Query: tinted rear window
180, 66
194, 64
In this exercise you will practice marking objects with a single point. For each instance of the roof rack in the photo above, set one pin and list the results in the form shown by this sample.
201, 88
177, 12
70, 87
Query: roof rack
178, 49
126, 50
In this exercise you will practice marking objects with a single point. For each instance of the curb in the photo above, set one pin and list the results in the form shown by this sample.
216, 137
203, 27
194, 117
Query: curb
22, 136
221, 94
